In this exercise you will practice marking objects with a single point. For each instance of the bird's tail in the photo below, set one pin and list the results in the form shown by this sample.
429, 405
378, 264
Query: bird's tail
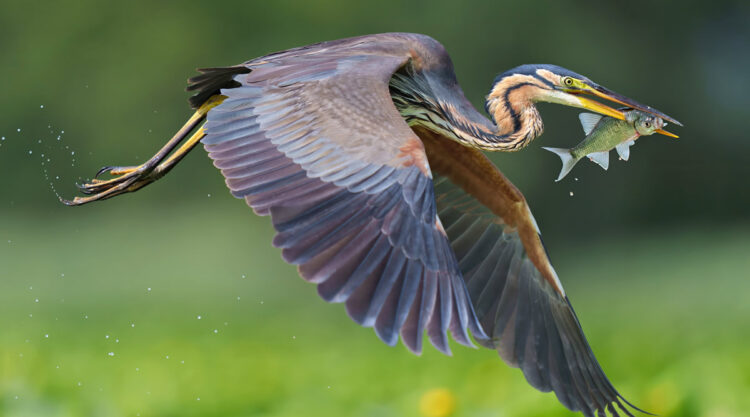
568, 161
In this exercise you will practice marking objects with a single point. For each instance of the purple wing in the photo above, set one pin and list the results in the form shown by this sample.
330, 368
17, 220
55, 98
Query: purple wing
314, 140
527, 318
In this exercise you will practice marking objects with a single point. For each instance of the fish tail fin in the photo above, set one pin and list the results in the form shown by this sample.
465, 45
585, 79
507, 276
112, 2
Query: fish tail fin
568, 161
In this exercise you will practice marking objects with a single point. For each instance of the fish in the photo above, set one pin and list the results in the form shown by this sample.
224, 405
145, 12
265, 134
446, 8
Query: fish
604, 133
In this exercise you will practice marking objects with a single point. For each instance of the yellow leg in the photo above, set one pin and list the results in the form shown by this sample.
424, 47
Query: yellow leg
135, 177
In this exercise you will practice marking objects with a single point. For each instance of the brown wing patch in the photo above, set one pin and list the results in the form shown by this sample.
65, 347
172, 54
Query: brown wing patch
413, 153
471, 170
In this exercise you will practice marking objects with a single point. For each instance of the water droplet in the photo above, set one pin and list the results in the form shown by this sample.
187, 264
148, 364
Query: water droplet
132, 324
209, 195
111, 353
46, 336
41, 106
30, 152
79, 383
19, 129
36, 300
167, 356
571, 193
243, 276
106, 336
216, 331
199, 317
148, 289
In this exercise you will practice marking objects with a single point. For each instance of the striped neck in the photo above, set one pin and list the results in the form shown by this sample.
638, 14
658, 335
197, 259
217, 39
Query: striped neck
511, 106
515, 119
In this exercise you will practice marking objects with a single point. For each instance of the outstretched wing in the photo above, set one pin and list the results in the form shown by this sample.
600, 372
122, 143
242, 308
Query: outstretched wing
312, 138
515, 291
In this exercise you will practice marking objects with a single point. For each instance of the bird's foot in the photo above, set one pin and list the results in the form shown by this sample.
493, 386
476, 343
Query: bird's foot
128, 179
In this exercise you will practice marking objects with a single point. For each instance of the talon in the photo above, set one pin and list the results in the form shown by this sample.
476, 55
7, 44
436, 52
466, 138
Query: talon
103, 170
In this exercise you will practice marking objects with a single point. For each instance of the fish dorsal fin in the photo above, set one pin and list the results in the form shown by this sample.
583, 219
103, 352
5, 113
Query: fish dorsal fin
588, 121
623, 149
601, 158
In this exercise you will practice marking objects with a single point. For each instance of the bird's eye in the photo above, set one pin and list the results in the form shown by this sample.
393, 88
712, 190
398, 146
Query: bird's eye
568, 81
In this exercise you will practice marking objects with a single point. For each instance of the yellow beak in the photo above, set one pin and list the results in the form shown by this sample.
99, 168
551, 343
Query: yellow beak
600, 108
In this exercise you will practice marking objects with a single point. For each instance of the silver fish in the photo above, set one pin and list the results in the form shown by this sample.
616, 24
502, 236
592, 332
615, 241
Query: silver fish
605, 133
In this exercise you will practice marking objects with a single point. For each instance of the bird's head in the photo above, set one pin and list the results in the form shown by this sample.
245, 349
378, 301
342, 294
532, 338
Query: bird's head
553, 84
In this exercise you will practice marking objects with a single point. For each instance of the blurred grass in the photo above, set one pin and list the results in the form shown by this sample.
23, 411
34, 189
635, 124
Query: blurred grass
100, 306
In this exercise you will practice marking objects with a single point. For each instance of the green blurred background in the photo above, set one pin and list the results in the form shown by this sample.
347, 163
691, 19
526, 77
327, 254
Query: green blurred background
172, 302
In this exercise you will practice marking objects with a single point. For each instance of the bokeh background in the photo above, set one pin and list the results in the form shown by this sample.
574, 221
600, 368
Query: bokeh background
172, 302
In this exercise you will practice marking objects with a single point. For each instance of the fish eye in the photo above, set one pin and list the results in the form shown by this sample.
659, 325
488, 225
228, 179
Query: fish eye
647, 124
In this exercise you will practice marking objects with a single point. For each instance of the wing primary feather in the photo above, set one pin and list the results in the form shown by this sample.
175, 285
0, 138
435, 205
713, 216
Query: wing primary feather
601, 391
367, 265
412, 276
384, 322
334, 276
460, 315
391, 273
524, 325
411, 333
359, 303
437, 327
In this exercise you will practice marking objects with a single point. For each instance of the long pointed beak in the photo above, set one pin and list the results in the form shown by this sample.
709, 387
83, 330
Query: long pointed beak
602, 92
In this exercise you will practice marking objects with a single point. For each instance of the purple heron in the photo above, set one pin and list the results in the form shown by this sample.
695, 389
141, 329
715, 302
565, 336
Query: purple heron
367, 156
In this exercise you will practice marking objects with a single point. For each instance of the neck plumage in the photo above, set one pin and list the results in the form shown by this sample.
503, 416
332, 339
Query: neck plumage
515, 119
510, 104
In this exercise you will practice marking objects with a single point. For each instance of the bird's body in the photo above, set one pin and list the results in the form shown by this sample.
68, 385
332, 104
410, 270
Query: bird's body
365, 153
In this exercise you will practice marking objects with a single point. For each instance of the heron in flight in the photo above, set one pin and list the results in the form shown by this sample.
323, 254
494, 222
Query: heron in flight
368, 158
